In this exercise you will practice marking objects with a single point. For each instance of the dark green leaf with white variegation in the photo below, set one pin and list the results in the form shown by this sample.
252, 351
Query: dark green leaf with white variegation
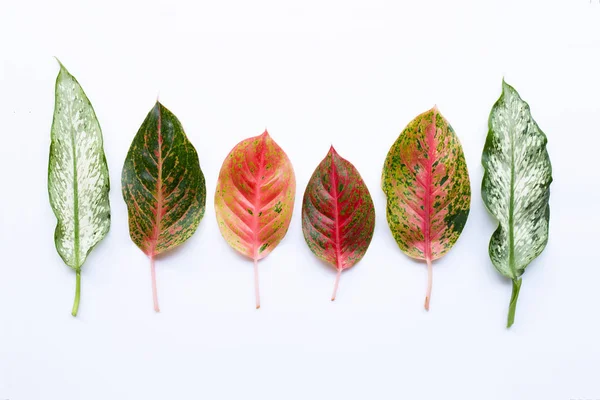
78, 182
516, 188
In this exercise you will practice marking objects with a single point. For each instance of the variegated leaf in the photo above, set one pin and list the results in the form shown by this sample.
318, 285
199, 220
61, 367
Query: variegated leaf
163, 187
426, 182
254, 199
78, 182
338, 217
516, 188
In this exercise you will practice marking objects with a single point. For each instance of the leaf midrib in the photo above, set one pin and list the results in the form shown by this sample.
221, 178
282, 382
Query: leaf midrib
256, 202
76, 238
336, 217
428, 189
511, 204
159, 196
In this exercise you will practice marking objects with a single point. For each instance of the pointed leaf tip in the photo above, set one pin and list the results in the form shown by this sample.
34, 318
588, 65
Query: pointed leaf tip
63, 69
157, 108
505, 86
332, 151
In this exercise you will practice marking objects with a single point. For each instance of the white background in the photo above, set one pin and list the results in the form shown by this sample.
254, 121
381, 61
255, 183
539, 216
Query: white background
315, 73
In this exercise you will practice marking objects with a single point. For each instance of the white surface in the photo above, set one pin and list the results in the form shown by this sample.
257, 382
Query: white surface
351, 73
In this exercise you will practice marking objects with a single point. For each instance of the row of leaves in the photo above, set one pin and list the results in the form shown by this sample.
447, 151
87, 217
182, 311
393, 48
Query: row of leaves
425, 180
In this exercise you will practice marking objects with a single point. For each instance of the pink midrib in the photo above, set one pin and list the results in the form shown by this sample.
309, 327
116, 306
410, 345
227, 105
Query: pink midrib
159, 194
257, 193
336, 219
427, 198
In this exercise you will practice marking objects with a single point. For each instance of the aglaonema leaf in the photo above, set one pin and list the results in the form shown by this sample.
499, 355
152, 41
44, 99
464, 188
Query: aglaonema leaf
338, 217
78, 182
254, 199
516, 188
163, 187
426, 182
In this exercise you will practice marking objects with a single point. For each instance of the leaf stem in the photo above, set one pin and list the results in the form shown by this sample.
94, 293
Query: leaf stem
154, 291
256, 288
337, 282
77, 292
429, 283
516, 288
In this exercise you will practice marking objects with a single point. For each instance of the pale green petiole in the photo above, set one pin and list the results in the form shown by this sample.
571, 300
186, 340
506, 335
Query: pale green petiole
512, 307
77, 292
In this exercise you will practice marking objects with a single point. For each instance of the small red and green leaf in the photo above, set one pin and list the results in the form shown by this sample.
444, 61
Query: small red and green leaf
163, 187
254, 199
338, 216
426, 182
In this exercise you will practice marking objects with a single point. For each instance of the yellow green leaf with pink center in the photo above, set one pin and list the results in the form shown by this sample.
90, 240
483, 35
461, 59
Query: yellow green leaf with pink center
426, 183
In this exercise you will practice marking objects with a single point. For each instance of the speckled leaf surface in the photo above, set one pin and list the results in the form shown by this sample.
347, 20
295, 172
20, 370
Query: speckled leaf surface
78, 182
163, 186
516, 188
338, 216
254, 199
426, 183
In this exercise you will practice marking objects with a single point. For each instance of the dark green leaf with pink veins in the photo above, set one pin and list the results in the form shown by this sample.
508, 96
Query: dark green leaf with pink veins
338, 217
163, 186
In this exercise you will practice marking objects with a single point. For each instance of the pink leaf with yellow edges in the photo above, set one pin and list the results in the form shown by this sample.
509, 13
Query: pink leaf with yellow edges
254, 199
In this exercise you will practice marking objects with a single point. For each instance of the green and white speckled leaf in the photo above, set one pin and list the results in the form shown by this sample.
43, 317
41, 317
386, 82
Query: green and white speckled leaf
426, 183
163, 187
78, 182
516, 188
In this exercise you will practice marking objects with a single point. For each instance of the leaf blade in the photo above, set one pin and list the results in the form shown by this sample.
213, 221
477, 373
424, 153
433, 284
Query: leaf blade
338, 215
253, 205
78, 180
163, 184
516, 186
